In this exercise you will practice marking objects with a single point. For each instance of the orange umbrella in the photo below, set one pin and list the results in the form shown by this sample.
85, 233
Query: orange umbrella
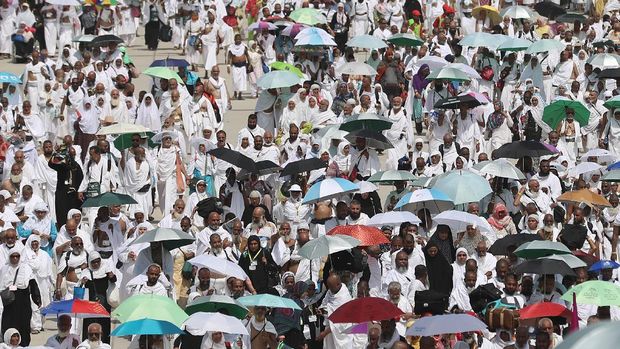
584, 196
367, 235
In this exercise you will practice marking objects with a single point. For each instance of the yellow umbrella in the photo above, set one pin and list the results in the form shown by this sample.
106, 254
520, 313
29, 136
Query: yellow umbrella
584, 196
491, 12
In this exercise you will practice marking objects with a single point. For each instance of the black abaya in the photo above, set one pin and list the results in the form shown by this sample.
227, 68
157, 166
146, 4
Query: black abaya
439, 271
69, 176
151, 34
17, 314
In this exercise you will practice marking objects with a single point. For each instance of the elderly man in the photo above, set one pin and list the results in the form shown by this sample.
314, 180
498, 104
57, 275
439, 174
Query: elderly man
294, 211
334, 335
546, 325
94, 339
401, 273
71, 266
213, 224
64, 339
260, 227
533, 194
62, 243
218, 250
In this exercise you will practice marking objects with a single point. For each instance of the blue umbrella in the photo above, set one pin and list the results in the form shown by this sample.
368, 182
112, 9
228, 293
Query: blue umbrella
9, 78
463, 186
329, 188
315, 40
170, 62
145, 326
434, 200
267, 300
604, 264
615, 166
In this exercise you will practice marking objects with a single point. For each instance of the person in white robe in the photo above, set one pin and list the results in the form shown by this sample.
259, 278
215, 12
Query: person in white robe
400, 134
137, 182
569, 130
167, 158
7, 28
152, 281
70, 263
41, 264
193, 200
148, 114
50, 15
334, 335
210, 41
238, 58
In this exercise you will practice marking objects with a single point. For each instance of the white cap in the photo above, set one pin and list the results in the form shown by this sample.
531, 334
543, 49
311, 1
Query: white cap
5, 194
294, 187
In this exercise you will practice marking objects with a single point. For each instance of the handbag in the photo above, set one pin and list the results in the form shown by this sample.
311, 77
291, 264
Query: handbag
165, 33
94, 188
192, 40
7, 295
113, 294
487, 73
145, 188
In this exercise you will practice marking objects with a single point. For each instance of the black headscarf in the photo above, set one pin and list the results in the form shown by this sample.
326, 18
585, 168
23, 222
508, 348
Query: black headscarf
446, 247
439, 270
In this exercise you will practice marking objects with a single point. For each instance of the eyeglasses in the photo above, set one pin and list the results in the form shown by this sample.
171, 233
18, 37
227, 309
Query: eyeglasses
94, 334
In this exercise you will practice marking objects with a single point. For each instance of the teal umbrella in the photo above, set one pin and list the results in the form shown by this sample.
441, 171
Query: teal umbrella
541, 248
482, 39
170, 238
611, 176
448, 73
612, 103
9, 78
603, 335
146, 326
109, 199
308, 16
514, 44
388, 177
278, 79
269, 301
556, 112
463, 186
366, 41
369, 121
405, 39
545, 45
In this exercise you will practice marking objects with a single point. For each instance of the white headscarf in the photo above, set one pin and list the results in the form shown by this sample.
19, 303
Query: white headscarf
148, 115
208, 343
343, 161
23, 270
7, 337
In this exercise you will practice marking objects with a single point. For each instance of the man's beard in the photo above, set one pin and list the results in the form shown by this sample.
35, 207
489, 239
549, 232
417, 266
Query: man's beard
216, 251
402, 270
470, 289
533, 194
258, 225
355, 216
114, 102
214, 227
236, 238
548, 229
286, 238
93, 344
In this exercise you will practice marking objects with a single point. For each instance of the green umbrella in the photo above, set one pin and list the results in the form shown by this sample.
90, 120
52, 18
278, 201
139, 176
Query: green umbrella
556, 112
366, 41
152, 307
267, 300
388, 177
124, 141
545, 45
541, 248
308, 16
571, 17
602, 335
595, 292
405, 39
612, 176
570, 259
612, 103
278, 79
514, 44
447, 73
216, 303
170, 238
109, 199
277, 65
463, 186
163, 73
369, 121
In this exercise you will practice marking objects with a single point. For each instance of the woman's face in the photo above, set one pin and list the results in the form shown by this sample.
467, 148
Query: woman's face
216, 337
471, 231
325, 156
312, 102
253, 246
35, 245
291, 105
497, 106
15, 339
443, 235
534, 101
434, 159
432, 251
459, 164
148, 101
582, 55
95, 263
461, 257
40, 214
346, 149
532, 223
142, 230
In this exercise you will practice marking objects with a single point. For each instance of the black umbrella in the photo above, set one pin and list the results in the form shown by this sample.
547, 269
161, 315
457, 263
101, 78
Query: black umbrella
613, 73
103, 40
549, 9
301, 166
457, 101
170, 62
234, 158
603, 43
571, 17
519, 149
263, 167
500, 247
373, 138
544, 266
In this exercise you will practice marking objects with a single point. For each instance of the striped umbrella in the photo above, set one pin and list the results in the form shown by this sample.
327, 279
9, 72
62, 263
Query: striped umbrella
328, 189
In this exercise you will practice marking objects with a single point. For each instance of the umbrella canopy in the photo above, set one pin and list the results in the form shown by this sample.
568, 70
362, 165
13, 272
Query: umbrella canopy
393, 218
519, 149
233, 157
163, 73
109, 199
219, 265
260, 25
103, 40
518, 12
600, 155
545, 45
84, 38
269, 301
604, 60
603, 335
328, 189
472, 73
571, 260
390, 176
458, 221
571, 17
368, 121
405, 39
443, 324
487, 11
356, 68
260, 168
544, 309
536, 249
314, 31
366, 187
604, 264
584, 167
301, 166
150, 306
170, 62
549, 9
610, 74
595, 292
612, 176
514, 45
145, 327
75, 307
448, 73
9, 78
215, 304
470, 99
366, 41
326, 245
277, 65
502, 168
199, 324
463, 186
364, 310
544, 266
278, 79
480, 39
367, 235
556, 112
432, 199
374, 139
585, 196
308, 16
501, 246
123, 141
614, 166
313, 41
122, 128
170, 238
433, 62
293, 29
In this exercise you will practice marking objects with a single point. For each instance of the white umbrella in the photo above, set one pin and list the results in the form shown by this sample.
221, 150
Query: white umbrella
356, 68
198, 324
366, 187
122, 128
502, 168
326, 245
601, 155
196, 142
468, 70
160, 136
604, 61
433, 62
393, 218
219, 265
432, 199
584, 167
518, 12
459, 220
64, 2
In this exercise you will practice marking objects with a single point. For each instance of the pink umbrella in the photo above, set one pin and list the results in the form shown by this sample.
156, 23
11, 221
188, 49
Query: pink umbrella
293, 29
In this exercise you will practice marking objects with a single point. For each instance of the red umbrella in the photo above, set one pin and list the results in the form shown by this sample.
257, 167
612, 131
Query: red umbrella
365, 309
545, 309
367, 235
